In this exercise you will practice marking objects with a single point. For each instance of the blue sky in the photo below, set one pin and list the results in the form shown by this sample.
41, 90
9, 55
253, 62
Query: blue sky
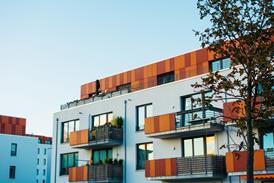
49, 48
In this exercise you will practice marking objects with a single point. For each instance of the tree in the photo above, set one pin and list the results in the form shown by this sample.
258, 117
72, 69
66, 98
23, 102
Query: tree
241, 30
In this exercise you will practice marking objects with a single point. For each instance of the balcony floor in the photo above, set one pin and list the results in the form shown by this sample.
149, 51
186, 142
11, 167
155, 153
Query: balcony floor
108, 143
190, 131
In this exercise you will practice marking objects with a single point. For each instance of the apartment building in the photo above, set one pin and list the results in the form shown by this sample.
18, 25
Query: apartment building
144, 126
20, 153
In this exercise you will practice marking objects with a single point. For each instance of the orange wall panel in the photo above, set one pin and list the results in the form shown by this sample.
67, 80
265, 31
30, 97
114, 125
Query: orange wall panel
184, 66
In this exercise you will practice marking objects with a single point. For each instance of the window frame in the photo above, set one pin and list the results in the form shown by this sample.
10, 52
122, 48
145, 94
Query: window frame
146, 158
12, 172
101, 114
165, 78
13, 153
98, 150
205, 150
74, 121
221, 60
137, 128
65, 170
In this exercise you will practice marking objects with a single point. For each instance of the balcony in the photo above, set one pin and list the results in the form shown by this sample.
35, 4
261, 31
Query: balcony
236, 163
98, 137
202, 121
97, 173
198, 168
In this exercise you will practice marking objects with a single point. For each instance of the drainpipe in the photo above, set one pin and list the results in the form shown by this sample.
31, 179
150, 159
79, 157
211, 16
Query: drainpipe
125, 141
56, 143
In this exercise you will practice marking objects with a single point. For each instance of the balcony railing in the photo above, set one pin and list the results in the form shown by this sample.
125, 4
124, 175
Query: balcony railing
98, 137
186, 123
183, 168
94, 98
236, 162
97, 173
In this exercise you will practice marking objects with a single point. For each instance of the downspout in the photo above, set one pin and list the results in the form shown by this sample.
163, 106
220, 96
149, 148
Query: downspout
125, 141
56, 141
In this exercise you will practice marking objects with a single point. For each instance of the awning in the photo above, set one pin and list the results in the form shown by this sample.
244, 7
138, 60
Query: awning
260, 177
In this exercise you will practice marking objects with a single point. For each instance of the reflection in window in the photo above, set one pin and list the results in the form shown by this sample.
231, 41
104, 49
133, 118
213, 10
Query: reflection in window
165, 78
220, 64
102, 119
101, 155
196, 146
67, 128
143, 111
268, 141
67, 161
144, 152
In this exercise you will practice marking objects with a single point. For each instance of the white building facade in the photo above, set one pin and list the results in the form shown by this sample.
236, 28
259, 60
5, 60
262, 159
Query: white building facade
164, 135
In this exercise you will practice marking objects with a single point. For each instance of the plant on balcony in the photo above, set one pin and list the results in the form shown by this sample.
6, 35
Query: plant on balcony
115, 162
120, 162
241, 31
117, 122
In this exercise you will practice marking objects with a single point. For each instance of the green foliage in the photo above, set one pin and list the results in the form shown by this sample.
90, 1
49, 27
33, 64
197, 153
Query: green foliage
114, 121
119, 121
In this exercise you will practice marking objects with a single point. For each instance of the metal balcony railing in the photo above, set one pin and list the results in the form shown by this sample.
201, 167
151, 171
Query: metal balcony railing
105, 133
198, 116
106, 173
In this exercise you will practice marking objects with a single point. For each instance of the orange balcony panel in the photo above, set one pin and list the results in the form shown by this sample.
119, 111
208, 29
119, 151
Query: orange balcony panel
161, 167
233, 110
78, 174
260, 177
237, 161
79, 137
160, 123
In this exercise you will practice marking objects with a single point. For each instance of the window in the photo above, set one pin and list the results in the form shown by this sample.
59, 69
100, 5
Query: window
37, 171
268, 142
99, 156
44, 181
45, 151
67, 161
192, 103
144, 152
198, 146
165, 78
143, 112
37, 161
44, 172
47, 142
38, 151
220, 64
12, 172
102, 119
45, 161
13, 151
67, 128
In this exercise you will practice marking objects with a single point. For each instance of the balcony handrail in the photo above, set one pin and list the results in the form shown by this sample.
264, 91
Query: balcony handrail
100, 96
102, 172
104, 133
212, 108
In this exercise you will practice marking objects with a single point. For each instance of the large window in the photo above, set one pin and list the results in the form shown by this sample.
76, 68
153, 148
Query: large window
102, 119
198, 146
165, 78
67, 128
144, 152
12, 172
191, 105
67, 161
143, 112
13, 151
100, 156
220, 64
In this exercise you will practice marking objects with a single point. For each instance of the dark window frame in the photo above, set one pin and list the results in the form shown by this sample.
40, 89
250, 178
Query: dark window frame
13, 153
165, 78
221, 60
68, 133
65, 170
137, 145
137, 115
192, 140
12, 172
107, 151
106, 113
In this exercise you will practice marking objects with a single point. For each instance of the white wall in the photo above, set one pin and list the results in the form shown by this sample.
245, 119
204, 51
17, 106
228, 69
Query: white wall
25, 160
164, 98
